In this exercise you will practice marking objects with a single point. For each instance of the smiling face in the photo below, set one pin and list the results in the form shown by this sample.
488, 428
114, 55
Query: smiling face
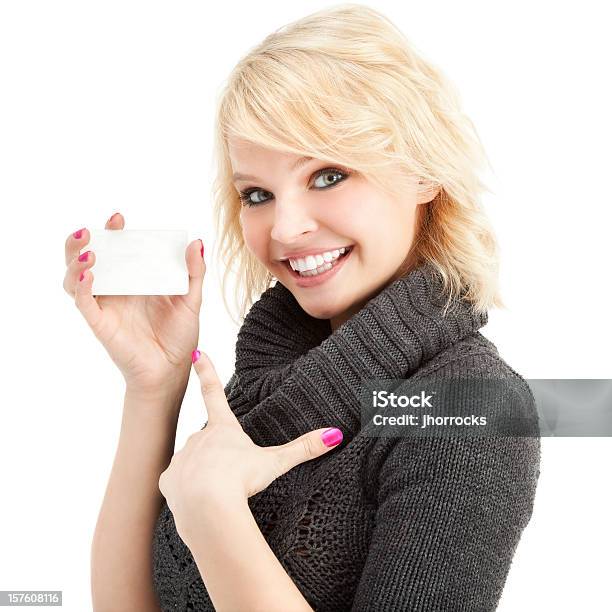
293, 206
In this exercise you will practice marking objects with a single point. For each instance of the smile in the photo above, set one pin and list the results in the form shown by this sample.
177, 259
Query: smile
321, 273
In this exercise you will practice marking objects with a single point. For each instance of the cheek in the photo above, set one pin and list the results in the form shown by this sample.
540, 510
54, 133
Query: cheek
400, 231
254, 233
364, 215
350, 212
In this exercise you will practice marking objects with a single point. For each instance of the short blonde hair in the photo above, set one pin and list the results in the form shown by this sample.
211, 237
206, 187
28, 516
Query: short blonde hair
343, 84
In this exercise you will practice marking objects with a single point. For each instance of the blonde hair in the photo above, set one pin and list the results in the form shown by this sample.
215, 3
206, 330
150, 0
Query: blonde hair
343, 84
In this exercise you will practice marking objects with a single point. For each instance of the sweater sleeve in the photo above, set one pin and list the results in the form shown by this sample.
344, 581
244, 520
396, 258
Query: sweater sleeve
450, 512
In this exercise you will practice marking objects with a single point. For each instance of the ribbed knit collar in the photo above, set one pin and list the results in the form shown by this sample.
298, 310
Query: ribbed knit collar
298, 376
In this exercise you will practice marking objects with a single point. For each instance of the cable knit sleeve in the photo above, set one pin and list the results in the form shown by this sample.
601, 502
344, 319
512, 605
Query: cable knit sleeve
449, 517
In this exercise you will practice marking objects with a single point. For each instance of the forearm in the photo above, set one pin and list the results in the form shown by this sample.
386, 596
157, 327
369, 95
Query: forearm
121, 555
239, 569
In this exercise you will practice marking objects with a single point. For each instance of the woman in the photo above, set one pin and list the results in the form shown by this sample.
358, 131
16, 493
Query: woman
347, 200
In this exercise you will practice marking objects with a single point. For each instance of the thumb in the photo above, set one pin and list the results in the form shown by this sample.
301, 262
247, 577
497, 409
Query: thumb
194, 257
308, 446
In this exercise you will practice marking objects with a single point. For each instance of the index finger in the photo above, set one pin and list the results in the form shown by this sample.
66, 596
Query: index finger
213, 392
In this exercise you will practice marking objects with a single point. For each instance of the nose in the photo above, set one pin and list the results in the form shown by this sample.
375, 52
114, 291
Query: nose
291, 220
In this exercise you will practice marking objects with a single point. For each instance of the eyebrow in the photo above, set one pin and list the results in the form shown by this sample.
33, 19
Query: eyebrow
238, 176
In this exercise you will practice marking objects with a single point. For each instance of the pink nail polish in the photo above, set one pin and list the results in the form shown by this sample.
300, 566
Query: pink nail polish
82, 276
201, 248
331, 436
84, 256
195, 355
79, 233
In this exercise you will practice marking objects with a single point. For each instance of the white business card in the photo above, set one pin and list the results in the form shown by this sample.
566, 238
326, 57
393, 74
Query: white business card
139, 262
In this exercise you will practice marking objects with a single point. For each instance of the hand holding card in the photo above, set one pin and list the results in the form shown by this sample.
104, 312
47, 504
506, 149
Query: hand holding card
146, 309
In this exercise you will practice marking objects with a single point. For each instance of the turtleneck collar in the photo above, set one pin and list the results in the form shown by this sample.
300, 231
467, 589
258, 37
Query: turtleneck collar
298, 376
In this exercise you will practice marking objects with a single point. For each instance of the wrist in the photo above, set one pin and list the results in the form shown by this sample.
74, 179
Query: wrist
160, 384
166, 398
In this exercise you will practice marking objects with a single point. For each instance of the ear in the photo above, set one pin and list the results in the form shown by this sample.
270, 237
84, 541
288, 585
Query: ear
427, 191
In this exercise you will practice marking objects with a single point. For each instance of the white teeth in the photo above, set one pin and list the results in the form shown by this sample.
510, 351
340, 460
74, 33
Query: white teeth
312, 262
300, 265
319, 270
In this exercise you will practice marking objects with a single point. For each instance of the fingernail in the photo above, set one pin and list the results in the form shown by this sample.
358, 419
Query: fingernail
82, 276
111, 217
78, 233
84, 256
195, 355
201, 248
331, 436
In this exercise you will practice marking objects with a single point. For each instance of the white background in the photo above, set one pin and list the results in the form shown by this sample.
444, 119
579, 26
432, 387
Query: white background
108, 107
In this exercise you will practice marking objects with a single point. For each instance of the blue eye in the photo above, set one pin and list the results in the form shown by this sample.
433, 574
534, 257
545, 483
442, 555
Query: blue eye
327, 173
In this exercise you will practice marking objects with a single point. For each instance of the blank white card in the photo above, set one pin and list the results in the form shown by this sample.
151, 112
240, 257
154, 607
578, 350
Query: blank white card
139, 262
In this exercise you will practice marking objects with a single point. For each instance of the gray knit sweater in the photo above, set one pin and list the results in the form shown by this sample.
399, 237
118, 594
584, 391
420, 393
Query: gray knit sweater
377, 523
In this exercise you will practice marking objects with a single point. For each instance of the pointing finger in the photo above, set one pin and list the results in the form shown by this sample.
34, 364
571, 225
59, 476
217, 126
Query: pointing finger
212, 389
